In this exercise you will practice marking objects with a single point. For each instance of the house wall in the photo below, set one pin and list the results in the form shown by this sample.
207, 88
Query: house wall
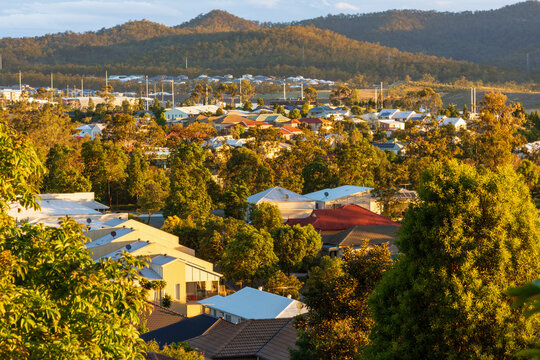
361, 199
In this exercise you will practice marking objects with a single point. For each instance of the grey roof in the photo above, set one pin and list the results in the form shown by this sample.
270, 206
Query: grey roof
355, 236
337, 193
181, 330
276, 194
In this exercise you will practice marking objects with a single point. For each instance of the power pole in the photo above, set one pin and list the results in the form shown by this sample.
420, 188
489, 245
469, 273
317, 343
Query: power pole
186, 62
161, 92
0, 61
376, 97
146, 92
382, 97
303, 57
302, 90
82, 87
240, 90
20, 80
172, 91
284, 92
205, 94
106, 81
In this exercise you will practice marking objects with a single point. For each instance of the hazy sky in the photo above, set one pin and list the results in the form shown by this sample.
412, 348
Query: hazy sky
30, 18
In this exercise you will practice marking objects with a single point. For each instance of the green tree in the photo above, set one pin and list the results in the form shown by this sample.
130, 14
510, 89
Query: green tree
179, 351
528, 298
310, 94
245, 166
266, 216
339, 321
121, 128
294, 243
249, 256
530, 173
155, 192
248, 106
319, 174
357, 164
235, 201
93, 155
64, 171
295, 114
473, 235
305, 110
115, 162
283, 285
189, 183
137, 173
260, 102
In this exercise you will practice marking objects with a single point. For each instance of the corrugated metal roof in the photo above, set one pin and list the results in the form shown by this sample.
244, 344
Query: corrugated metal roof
337, 193
276, 194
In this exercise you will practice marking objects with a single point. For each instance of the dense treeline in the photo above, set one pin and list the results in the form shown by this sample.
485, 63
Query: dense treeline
500, 37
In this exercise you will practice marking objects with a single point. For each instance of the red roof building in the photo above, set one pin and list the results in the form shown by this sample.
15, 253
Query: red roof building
331, 221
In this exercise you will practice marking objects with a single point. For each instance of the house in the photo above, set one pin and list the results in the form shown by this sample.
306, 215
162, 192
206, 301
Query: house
404, 116
223, 122
186, 111
82, 102
292, 123
90, 130
268, 339
80, 207
251, 124
269, 118
249, 303
331, 221
391, 125
327, 111
342, 195
289, 132
290, 204
158, 317
180, 330
354, 238
388, 114
316, 124
458, 123
10, 94
392, 146
187, 278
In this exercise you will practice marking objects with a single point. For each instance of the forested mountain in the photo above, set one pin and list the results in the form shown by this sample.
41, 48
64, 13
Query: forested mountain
500, 37
219, 42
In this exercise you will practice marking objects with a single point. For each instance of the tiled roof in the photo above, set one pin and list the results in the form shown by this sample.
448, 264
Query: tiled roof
182, 330
269, 339
342, 218
375, 234
160, 317
314, 121
155, 356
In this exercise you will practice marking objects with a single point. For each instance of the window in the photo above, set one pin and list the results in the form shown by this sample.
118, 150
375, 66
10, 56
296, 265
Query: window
228, 317
177, 291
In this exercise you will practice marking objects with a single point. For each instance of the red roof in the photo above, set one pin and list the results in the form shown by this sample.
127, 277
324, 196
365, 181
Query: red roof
291, 129
248, 122
342, 218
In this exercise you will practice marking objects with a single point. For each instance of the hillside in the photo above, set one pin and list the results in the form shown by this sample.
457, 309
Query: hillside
219, 42
499, 37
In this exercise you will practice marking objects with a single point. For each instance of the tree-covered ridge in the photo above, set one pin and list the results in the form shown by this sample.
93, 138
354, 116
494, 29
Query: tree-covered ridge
218, 21
273, 51
490, 37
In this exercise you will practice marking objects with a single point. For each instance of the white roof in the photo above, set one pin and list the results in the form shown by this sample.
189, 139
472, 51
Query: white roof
404, 114
250, 303
337, 193
52, 207
388, 112
276, 194
134, 246
453, 121
114, 234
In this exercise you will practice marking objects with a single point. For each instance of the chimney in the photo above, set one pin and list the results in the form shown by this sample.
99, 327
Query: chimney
289, 296
260, 288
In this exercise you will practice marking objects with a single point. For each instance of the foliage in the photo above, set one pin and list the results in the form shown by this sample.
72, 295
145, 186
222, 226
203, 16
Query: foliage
245, 166
235, 201
319, 174
137, 172
179, 351
283, 285
156, 190
249, 256
64, 171
339, 321
266, 216
473, 235
166, 301
294, 243
528, 297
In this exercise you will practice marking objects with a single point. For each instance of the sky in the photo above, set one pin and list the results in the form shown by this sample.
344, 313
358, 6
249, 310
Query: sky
33, 18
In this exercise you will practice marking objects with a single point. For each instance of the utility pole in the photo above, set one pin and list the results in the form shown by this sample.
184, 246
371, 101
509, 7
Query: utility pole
0, 61
106, 81
303, 57
382, 97
205, 94
376, 98
161, 92
284, 92
186, 62
82, 87
172, 91
302, 90
20, 80
146, 92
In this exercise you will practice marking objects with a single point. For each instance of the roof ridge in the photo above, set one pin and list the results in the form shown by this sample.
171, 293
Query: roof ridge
273, 336
241, 326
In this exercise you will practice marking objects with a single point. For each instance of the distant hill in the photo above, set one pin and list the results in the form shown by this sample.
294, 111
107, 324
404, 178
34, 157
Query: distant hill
219, 42
218, 21
499, 37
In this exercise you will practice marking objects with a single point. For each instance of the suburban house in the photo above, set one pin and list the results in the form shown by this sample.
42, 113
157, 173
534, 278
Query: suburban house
290, 204
404, 116
274, 119
458, 123
342, 195
391, 125
289, 132
10, 94
268, 339
186, 111
354, 238
331, 221
80, 207
83, 101
250, 124
388, 114
225, 121
249, 303
90, 130
316, 124
291, 123
187, 278
392, 146
337, 113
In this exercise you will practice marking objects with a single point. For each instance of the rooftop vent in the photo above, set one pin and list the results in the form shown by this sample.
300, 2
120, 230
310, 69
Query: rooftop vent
128, 246
113, 233
260, 288
326, 193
